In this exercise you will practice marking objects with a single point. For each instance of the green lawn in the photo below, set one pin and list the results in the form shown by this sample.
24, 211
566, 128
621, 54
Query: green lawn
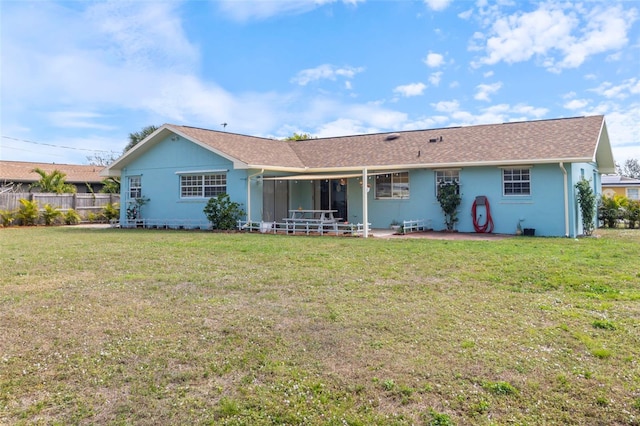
109, 326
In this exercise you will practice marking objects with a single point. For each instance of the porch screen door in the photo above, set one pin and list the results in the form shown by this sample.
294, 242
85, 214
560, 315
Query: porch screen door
275, 200
332, 195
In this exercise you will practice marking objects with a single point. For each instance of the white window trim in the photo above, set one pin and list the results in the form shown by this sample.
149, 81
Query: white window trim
632, 189
437, 183
129, 178
202, 195
392, 197
202, 172
504, 194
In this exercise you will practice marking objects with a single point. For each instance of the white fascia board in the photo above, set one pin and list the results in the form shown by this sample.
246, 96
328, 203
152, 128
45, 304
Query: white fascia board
430, 166
603, 153
115, 168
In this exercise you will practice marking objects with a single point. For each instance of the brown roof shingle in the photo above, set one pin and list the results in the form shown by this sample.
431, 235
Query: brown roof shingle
22, 171
574, 138
248, 149
543, 141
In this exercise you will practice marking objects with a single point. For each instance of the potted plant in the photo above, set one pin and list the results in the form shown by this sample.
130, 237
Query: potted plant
395, 225
449, 199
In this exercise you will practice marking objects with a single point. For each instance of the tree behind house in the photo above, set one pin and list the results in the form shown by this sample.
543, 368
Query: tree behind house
631, 168
54, 182
136, 137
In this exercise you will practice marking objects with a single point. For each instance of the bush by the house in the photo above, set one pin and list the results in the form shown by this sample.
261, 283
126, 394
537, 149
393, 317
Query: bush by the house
71, 217
111, 211
613, 211
50, 214
6, 218
223, 213
27, 213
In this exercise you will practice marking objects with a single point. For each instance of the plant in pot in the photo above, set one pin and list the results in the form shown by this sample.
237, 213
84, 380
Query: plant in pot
395, 225
449, 199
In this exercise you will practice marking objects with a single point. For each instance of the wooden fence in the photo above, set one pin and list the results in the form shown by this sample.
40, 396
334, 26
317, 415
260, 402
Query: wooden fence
81, 203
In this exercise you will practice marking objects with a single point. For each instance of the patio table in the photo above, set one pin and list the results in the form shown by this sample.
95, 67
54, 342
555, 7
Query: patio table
318, 218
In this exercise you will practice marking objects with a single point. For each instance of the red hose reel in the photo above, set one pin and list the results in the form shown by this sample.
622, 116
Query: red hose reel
487, 226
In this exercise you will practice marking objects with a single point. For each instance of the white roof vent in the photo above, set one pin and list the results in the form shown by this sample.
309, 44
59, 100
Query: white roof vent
392, 136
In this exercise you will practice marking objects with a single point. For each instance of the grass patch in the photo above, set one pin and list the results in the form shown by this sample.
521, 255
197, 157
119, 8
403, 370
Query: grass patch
500, 388
109, 326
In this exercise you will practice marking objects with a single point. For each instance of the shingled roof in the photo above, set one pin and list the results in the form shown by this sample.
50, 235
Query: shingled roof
579, 139
22, 171
248, 149
570, 140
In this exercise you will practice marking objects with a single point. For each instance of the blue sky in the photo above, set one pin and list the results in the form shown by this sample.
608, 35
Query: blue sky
78, 77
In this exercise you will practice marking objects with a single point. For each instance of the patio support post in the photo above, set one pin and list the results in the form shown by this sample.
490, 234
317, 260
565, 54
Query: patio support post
365, 206
249, 194
566, 199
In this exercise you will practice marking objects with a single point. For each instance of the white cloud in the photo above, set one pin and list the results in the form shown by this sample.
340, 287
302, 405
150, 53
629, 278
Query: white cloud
559, 35
466, 14
576, 104
446, 106
359, 119
247, 10
485, 90
341, 127
324, 72
435, 78
143, 34
623, 90
78, 120
408, 90
437, 4
434, 60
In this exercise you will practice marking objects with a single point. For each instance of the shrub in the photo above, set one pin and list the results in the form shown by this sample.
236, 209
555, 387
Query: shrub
28, 213
609, 211
222, 212
71, 217
6, 218
449, 199
111, 211
92, 217
50, 214
632, 213
587, 203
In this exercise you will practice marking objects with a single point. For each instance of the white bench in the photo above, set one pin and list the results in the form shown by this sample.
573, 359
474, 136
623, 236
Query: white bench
413, 226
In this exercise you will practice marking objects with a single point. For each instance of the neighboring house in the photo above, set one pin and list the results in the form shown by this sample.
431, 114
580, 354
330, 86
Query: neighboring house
621, 185
526, 170
20, 175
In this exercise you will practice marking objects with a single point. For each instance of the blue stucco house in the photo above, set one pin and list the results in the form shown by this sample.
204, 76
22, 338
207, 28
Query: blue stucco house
526, 171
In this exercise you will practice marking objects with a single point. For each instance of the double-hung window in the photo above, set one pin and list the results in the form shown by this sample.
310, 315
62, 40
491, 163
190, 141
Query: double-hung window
203, 185
516, 181
450, 176
135, 187
392, 185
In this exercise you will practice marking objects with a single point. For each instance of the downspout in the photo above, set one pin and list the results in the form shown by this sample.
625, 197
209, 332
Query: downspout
249, 194
566, 199
365, 206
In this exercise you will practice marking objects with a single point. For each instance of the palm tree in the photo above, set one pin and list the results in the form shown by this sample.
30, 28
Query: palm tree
52, 182
136, 137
